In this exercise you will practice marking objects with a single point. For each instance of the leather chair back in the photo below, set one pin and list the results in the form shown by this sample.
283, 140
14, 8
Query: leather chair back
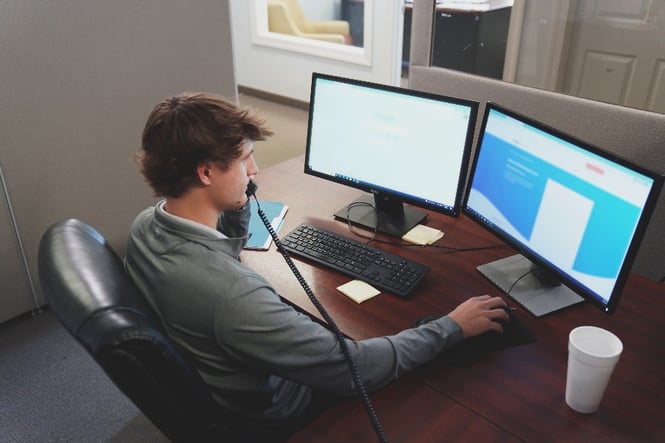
87, 288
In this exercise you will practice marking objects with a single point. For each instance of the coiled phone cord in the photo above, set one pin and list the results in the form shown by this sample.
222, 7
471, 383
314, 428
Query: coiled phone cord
331, 323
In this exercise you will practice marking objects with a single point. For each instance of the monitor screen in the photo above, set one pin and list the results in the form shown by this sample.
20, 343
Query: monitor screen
575, 213
399, 145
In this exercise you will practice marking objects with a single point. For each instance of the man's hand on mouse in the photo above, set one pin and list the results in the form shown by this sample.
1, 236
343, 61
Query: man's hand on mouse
480, 314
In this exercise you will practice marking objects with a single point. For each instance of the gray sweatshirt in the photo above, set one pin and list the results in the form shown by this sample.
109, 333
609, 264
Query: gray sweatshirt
259, 355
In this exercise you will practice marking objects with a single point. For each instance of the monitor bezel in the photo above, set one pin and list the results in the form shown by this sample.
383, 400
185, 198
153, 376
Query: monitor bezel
642, 224
455, 210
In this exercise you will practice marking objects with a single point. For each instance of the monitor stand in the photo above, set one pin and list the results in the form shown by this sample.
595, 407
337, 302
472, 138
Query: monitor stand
394, 218
538, 296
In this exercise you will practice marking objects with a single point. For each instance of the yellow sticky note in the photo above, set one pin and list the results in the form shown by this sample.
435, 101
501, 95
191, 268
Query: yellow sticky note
422, 235
358, 291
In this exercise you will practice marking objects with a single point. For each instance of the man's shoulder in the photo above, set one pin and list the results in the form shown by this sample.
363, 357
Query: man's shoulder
142, 218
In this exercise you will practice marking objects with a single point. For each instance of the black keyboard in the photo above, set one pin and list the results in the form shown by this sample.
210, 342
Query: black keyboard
385, 271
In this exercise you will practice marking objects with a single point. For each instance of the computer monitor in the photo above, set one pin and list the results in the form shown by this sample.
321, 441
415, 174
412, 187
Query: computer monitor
575, 213
399, 145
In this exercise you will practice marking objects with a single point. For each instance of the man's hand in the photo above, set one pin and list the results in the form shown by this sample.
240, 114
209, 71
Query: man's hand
478, 314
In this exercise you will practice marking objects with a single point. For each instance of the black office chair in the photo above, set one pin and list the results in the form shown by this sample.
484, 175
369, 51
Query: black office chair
88, 290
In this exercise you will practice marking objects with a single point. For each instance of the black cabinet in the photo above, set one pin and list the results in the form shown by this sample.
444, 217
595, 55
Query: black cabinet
473, 42
468, 41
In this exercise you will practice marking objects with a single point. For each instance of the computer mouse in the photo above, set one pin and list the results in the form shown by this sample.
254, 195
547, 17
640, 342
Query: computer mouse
473, 349
509, 310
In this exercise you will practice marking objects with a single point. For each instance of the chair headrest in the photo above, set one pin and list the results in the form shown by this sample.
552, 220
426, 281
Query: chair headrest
82, 275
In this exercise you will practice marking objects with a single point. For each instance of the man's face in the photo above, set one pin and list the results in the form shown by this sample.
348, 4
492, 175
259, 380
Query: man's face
229, 185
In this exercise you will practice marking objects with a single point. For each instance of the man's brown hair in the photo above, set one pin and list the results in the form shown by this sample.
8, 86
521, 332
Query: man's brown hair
190, 129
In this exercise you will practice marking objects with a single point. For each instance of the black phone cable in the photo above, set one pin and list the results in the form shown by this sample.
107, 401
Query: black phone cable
331, 323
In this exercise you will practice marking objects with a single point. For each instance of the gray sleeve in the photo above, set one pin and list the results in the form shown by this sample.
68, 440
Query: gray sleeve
265, 332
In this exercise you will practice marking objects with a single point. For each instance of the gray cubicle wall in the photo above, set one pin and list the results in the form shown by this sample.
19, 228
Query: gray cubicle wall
77, 81
630, 133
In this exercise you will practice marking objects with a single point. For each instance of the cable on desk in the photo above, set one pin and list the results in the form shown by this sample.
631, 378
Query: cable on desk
518, 279
348, 220
474, 248
406, 244
360, 386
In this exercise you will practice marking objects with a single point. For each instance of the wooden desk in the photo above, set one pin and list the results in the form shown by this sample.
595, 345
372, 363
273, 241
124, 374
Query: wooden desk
512, 395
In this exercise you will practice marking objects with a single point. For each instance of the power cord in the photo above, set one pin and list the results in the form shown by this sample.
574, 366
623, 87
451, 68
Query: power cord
348, 220
331, 323
518, 279
373, 237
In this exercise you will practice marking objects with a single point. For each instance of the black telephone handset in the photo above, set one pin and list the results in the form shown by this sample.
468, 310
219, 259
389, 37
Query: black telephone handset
360, 386
251, 188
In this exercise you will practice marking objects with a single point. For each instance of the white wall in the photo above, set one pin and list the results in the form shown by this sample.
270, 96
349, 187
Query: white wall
287, 73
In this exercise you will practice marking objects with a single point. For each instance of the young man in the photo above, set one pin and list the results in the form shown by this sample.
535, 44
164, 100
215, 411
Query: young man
264, 361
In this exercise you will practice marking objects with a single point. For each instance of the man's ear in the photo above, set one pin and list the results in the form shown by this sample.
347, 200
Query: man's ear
203, 172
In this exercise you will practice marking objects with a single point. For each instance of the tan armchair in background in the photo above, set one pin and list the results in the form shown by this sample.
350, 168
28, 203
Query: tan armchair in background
286, 17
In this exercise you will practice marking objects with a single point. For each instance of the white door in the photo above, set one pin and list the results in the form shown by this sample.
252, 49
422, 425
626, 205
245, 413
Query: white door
617, 53
283, 65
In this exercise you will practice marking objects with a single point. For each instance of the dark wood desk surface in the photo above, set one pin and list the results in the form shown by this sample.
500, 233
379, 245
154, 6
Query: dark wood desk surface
513, 395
